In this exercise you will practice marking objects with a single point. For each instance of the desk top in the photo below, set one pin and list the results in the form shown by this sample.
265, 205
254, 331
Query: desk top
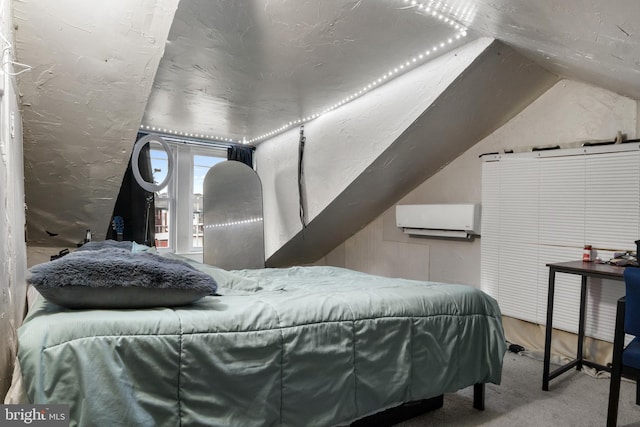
593, 269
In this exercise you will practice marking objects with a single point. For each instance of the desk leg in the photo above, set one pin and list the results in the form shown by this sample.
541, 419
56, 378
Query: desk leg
549, 328
583, 316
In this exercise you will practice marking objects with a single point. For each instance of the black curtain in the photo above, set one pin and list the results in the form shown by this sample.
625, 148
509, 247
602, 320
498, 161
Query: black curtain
241, 154
135, 205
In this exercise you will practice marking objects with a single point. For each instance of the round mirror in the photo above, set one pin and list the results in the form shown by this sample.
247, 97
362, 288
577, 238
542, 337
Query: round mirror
158, 160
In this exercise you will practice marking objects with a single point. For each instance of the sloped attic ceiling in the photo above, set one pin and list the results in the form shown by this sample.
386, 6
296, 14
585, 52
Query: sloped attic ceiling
239, 70
419, 123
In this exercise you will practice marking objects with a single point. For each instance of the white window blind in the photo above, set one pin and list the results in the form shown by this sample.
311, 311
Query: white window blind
543, 207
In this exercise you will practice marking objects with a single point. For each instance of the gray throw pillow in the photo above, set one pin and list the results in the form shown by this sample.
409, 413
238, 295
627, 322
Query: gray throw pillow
118, 278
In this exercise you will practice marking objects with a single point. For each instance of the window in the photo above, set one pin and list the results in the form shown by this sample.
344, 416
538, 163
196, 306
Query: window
178, 207
162, 201
201, 165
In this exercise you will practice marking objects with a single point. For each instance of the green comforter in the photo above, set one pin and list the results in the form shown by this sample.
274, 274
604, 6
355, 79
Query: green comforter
304, 346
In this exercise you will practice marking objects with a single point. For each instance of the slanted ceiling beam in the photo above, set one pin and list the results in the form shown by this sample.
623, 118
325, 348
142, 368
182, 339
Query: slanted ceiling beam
94, 64
490, 86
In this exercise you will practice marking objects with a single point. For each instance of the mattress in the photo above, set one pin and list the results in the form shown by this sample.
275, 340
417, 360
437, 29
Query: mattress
299, 346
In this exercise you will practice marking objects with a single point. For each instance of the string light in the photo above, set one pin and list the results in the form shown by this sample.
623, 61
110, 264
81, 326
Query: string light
231, 223
402, 67
213, 138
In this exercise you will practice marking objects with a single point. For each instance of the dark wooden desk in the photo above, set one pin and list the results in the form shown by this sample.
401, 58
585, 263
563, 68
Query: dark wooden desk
586, 270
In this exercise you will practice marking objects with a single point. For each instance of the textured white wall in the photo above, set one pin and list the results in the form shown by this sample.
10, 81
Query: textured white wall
13, 256
341, 144
567, 114
82, 105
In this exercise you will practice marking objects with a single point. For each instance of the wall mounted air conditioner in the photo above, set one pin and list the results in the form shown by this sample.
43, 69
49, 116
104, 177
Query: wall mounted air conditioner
460, 221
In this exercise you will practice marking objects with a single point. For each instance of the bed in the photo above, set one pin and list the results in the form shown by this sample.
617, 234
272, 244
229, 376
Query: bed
298, 346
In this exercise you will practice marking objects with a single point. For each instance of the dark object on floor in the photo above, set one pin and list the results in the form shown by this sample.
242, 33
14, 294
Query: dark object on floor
410, 410
51, 234
400, 413
515, 348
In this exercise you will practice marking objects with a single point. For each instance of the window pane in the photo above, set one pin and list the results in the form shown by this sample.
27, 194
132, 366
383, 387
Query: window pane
159, 163
201, 165
162, 201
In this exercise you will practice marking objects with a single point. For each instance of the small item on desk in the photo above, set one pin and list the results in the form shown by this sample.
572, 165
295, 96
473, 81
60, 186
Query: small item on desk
623, 259
618, 261
586, 253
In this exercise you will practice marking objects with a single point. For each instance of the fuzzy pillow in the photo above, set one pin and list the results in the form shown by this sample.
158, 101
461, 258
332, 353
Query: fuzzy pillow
118, 278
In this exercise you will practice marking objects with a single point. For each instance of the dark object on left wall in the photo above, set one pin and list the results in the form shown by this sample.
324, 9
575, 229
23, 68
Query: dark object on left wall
60, 254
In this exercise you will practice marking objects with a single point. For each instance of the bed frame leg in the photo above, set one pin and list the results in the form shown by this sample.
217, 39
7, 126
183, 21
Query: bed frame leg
478, 396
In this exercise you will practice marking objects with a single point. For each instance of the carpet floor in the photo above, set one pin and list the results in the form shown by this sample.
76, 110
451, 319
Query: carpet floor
574, 399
